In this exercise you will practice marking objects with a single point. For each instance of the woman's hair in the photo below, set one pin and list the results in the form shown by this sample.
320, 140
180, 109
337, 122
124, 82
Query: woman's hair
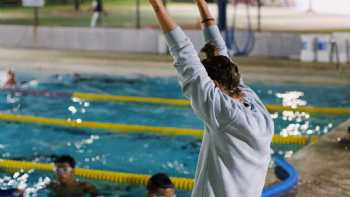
221, 69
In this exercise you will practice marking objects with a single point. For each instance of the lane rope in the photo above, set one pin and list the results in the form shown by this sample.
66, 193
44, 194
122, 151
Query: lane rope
101, 175
287, 183
170, 101
125, 128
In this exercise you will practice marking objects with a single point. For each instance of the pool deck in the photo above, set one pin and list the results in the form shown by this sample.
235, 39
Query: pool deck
324, 167
253, 69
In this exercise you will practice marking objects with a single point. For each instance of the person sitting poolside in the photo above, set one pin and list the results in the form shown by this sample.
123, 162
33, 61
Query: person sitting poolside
8, 79
67, 185
160, 185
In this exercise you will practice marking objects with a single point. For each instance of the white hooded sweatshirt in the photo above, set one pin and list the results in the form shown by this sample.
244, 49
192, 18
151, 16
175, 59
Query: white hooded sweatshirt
235, 150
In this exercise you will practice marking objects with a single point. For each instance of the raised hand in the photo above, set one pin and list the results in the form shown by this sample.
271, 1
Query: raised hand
206, 16
165, 21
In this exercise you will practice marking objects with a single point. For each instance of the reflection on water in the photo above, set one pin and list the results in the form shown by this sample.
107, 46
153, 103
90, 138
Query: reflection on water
83, 142
298, 122
292, 98
138, 153
20, 181
177, 165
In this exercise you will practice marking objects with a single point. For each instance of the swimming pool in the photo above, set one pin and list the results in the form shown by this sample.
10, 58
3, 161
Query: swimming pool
139, 153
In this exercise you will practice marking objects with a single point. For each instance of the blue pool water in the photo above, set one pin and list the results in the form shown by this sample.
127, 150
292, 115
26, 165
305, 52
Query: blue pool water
139, 153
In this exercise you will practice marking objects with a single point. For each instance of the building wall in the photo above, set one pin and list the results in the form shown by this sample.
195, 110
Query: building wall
130, 40
324, 6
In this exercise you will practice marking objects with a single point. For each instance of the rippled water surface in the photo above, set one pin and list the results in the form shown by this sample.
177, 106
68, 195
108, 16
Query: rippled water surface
135, 153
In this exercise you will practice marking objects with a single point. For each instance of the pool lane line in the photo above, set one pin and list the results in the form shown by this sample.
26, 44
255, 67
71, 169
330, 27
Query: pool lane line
127, 128
183, 102
310, 109
285, 172
45, 93
101, 175
169, 101
113, 127
132, 99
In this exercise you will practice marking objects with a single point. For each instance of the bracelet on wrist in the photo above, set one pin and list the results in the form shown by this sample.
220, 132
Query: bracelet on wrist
207, 19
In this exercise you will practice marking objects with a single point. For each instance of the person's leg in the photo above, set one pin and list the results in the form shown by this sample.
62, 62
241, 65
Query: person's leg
98, 21
94, 19
102, 17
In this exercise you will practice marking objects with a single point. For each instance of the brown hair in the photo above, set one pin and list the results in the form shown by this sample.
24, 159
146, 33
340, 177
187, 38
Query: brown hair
65, 159
221, 69
159, 181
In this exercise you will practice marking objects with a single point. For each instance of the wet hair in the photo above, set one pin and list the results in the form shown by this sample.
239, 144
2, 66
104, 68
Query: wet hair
159, 181
65, 159
221, 69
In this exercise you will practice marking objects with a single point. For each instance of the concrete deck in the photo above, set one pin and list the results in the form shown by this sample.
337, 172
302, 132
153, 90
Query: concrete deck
253, 69
324, 167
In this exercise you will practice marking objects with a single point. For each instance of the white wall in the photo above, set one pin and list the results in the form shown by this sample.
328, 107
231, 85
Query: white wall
131, 40
128, 40
325, 6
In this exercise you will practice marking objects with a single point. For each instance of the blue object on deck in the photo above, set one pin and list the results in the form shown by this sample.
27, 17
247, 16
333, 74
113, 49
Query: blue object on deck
231, 40
247, 36
287, 174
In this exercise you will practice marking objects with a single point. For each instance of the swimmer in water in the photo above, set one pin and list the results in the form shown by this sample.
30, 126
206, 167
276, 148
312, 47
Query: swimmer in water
67, 185
160, 185
9, 80
11, 193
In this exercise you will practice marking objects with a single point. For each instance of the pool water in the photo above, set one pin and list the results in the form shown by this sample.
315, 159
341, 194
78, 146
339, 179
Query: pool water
139, 153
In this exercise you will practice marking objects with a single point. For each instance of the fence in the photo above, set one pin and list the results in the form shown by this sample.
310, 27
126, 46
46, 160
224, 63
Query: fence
79, 13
